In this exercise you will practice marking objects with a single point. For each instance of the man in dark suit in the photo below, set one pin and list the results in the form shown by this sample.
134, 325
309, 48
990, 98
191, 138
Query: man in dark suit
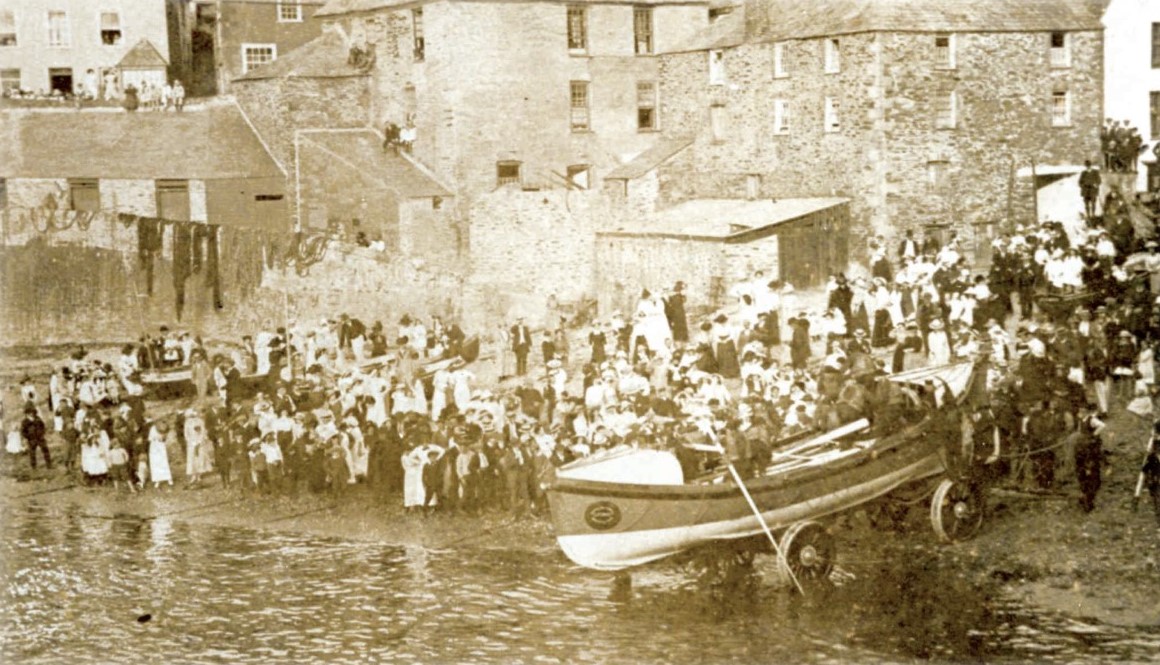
908, 248
521, 344
1089, 189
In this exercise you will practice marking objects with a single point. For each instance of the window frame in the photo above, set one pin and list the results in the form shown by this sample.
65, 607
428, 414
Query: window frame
831, 116
643, 26
947, 114
10, 38
717, 74
85, 185
832, 55
418, 35
1154, 113
3, 79
1156, 45
780, 70
247, 46
64, 33
101, 27
718, 122
283, 5
501, 180
782, 117
950, 59
650, 104
571, 11
1059, 57
1056, 120
585, 88
937, 174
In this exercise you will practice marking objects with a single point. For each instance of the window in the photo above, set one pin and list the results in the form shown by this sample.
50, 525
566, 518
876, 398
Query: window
1154, 107
781, 117
577, 29
1060, 53
1060, 109
256, 55
110, 28
9, 80
58, 32
718, 122
944, 49
642, 29
646, 106
717, 67
417, 28
832, 120
507, 173
84, 194
833, 56
7, 27
947, 112
290, 11
579, 106
936, 173
60, 79
578, 176
752, 186
1155, 45
780, 68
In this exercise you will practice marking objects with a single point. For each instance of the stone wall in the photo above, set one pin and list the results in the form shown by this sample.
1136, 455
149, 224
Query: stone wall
86, 285
527, 246
279, 107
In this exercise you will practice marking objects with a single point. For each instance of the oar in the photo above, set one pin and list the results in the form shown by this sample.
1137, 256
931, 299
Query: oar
753, 506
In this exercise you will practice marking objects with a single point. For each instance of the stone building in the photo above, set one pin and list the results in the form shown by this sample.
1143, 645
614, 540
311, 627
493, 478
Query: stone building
52, 44
1132, 75
201, 165
920, 114
249, 34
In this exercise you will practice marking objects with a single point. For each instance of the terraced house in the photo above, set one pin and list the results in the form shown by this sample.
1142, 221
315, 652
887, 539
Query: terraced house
926, 113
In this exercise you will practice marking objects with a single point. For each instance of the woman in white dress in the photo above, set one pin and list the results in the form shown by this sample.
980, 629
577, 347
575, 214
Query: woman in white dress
198, 455
159, 455
414, 494
94, 462
441, 384
461, 387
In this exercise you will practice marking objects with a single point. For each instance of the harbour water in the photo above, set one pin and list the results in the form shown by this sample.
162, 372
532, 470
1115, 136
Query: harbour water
84, 589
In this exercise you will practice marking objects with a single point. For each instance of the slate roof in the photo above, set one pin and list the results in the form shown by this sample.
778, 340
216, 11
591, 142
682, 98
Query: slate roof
661, 151
776, 20
192, 145
324, 56
728, 30
143, 55
362, 151
340, 7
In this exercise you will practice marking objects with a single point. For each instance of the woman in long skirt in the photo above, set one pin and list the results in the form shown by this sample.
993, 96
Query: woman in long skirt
159, 455
198, 455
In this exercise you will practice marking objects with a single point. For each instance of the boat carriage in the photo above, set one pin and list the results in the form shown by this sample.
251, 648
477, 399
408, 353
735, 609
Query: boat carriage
631, 507
178, 381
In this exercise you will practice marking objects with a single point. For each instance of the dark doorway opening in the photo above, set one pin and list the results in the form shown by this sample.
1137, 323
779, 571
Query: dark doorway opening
61, 78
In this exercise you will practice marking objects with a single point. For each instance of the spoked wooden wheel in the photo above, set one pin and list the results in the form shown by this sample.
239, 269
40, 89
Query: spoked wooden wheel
809, 552
956, 510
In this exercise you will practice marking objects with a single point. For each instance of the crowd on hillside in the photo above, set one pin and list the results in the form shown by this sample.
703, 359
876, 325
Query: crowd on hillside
324, 408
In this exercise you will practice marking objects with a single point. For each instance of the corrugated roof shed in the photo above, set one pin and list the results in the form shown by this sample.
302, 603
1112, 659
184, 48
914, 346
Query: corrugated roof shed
661, 151
362, 151
143, 55
193, 145
324, 56
722, 218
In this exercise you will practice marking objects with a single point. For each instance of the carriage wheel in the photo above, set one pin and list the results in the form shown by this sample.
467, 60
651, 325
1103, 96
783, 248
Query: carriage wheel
809, 552
956, 511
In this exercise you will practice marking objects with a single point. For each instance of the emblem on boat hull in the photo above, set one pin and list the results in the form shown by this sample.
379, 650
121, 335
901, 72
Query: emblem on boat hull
602, 515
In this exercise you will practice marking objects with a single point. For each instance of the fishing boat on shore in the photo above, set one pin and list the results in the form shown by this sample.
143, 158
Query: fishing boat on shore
631, 507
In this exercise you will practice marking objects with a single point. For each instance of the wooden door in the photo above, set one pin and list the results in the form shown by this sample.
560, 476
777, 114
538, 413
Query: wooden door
173, 200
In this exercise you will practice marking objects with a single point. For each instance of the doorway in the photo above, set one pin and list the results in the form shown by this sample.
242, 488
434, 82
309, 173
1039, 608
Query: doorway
61, 79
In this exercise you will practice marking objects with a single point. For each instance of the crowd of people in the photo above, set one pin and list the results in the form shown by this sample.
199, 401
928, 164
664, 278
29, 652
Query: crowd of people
324, 408
106, 85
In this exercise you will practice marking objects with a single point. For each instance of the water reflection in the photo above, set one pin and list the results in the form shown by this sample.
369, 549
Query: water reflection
75, 586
